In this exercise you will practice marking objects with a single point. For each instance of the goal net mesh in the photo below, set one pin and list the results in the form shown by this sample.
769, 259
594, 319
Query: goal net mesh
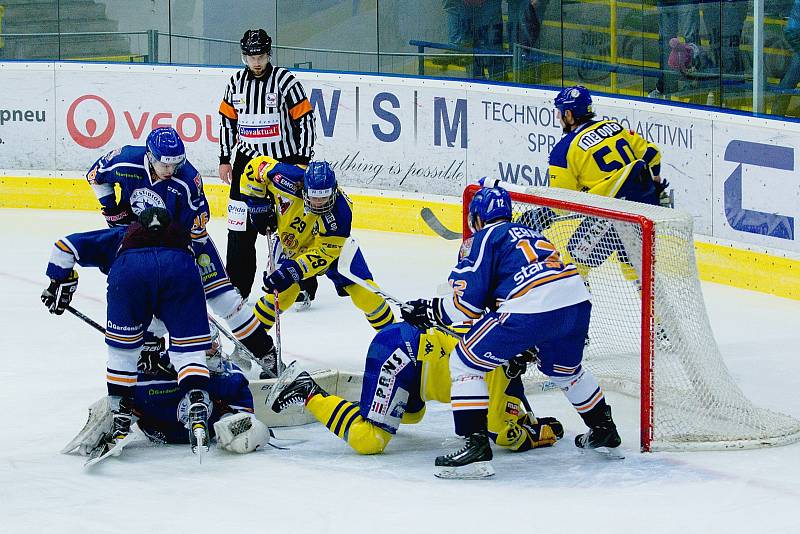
689, 399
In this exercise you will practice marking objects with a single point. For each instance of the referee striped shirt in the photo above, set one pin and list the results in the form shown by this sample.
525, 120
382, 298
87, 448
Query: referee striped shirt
266, 116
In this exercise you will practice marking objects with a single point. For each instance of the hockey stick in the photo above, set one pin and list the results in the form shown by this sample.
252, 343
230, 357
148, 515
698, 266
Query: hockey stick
271, 258
345, 269
86, 319
238, 344
436, 225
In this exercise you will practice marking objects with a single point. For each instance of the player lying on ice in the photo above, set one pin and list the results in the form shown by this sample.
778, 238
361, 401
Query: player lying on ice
157, 399
405, 368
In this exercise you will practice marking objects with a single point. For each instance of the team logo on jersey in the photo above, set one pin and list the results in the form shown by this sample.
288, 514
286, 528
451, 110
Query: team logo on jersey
141, 199
466, 247
289, 240
284, 204
271, 99
198, 181
92, 176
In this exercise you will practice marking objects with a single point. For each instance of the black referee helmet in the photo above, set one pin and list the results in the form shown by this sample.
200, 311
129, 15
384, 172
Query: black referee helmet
256, 42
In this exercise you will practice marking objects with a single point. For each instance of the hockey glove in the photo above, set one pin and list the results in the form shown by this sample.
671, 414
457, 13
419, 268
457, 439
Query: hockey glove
528, 433
150, 361
58, 295
262, 214
421, 313
517, 365
118, 215
664, 198
241, 432
284, 276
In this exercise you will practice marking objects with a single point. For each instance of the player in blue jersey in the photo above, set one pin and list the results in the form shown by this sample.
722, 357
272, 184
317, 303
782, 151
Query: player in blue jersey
151, 272
513, 284
157, 399
405, 368
159, 175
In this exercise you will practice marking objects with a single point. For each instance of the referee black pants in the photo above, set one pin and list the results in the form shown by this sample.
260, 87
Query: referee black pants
241, 254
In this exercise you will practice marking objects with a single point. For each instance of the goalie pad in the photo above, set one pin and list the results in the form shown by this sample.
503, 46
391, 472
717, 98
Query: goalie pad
241, 433
97, 425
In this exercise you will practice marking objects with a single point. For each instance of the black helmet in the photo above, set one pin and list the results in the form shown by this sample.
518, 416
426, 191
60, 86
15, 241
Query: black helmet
256, 42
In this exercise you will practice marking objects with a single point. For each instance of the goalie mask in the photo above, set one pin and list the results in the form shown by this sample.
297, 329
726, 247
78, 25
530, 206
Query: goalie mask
165, 152
319, 187
489, 204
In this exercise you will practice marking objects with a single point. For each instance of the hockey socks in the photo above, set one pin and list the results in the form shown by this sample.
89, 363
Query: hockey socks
343, 419
378, 313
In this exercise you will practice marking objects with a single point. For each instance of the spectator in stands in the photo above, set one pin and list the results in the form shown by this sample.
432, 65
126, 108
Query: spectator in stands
524, 22
723, 20
792, 75
477, 24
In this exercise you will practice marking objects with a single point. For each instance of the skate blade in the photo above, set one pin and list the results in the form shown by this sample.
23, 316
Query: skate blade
611, 453
472, 471
302, 306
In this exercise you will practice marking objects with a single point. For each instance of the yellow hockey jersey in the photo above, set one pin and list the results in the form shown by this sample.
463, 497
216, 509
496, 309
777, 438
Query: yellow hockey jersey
313, 241
594, 156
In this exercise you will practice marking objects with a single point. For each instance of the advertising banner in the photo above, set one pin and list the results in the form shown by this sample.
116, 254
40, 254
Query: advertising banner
734, 174
27, 117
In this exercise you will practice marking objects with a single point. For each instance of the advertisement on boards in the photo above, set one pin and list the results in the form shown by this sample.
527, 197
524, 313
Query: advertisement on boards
27, 117
756, 185
101, 108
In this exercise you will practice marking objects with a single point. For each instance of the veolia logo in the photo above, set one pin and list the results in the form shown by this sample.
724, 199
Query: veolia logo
87, 134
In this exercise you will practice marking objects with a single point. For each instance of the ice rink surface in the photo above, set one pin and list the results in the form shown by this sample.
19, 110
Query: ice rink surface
53, 368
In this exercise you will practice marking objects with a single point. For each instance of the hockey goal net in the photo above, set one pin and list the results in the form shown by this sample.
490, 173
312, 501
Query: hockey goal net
663, 351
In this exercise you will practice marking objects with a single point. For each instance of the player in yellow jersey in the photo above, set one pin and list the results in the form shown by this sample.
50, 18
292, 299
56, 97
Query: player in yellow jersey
405, 368
312, 218
604, 158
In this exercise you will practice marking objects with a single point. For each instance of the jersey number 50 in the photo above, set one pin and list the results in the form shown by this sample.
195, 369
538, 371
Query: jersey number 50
623, 149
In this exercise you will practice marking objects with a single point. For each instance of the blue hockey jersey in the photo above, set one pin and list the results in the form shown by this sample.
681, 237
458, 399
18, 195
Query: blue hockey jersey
182, 194
157, 397
510, 268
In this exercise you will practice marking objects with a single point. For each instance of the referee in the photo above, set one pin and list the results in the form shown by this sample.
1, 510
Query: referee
264, 112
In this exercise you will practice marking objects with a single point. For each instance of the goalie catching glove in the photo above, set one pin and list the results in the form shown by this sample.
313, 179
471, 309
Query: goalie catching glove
58, 295
241, 433
528, 433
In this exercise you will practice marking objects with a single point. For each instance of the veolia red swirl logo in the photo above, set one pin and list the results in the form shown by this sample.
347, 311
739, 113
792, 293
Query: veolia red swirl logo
90, 139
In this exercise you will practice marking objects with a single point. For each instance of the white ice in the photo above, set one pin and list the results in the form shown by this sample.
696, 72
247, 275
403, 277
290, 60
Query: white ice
53, 368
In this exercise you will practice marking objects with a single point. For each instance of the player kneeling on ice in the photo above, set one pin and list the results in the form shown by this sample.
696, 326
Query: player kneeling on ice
512, 283
405, 367
151, 272
157, 399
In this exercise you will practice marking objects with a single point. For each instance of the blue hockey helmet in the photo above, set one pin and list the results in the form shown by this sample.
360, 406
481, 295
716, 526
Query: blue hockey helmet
165, 151
489, 204
576, 99
319, 187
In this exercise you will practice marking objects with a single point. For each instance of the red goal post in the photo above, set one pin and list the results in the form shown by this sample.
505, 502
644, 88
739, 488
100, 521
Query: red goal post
663, 351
